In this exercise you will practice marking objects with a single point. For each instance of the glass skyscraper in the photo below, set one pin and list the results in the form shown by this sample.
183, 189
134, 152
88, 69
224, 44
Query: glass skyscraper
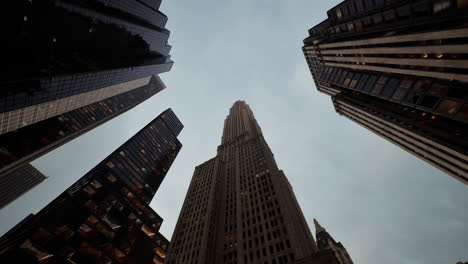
105, 216
73, 65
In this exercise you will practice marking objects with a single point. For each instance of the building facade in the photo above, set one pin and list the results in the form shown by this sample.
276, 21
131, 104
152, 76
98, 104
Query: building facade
28, 143
73, 65
240, 207
400, 69
17, 182
105, 216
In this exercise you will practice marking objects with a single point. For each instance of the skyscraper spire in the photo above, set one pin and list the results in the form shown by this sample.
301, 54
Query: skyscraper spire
326, 242
240, 122
318, 227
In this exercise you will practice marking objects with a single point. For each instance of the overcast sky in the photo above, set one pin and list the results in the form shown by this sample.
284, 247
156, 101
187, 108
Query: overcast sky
385, 205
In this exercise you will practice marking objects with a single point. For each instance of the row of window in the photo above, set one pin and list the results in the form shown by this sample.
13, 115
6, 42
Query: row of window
448, 99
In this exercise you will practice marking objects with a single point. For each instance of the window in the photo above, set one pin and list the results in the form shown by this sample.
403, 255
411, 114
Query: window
342, 78
343, 28
337, 29
110, 164
463, 113
96, 184
361, 82
353, 83
370, 3
421, 8
377, 19
390, 88
462, 3
359, 5
370, 83
419, 88
440, 5
405, 84
367, 22
380, 85
448, 107
332, 74
422, 85
428, 101
337, 76
438, 89
404, 11
389, 16
348, 79
338, 13
358, 25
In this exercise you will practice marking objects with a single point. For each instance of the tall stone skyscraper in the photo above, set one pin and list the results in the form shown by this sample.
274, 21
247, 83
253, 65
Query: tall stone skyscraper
240, 208
73, 65
105, 216
399, 69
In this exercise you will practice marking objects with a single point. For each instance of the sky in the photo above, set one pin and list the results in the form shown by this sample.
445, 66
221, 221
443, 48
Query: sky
385, 205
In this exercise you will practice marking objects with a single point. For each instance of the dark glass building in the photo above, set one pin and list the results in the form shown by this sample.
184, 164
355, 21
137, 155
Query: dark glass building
30, 142
75, 64
400, 69
105, 216
240, 207
17, 182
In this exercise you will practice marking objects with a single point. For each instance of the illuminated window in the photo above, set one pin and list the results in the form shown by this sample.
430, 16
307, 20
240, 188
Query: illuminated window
338, 13
110, 164
96, 184
448, 107
440, 5
92, 220
111, 178
89, 190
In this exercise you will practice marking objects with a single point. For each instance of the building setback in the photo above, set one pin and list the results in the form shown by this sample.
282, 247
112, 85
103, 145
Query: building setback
73, 65
240, 208
17, 182
105, 216
399, 69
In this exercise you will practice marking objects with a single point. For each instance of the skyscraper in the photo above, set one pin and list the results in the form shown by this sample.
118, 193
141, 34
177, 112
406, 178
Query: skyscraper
399, 69
73, 65
240, 208
105, 216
